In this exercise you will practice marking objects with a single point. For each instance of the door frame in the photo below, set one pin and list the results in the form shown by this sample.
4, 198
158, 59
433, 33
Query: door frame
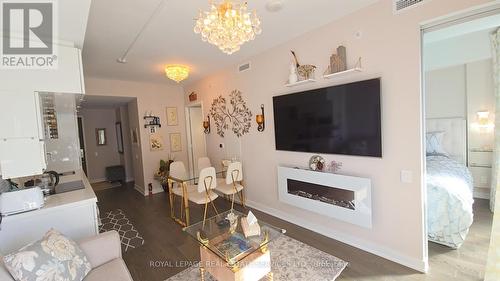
454, 18
84, 144
189, 138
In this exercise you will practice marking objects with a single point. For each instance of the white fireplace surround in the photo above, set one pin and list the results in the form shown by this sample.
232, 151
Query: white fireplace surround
362, 215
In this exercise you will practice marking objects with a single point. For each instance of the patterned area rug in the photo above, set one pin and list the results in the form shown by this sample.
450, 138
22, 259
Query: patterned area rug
291, 260
116, 220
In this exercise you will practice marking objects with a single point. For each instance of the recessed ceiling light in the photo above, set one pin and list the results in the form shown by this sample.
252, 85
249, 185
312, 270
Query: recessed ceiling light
275, 5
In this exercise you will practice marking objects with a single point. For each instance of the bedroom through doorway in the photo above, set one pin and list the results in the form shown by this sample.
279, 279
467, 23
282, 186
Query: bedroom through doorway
459, 62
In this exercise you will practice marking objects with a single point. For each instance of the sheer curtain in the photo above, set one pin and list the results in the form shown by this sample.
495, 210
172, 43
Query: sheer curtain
495, 179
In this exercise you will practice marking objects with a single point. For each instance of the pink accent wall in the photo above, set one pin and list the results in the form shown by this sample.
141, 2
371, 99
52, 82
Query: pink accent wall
390, 49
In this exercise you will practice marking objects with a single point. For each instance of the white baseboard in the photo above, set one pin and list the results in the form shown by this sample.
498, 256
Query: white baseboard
419, 265
97, 180
140, 189
481, 195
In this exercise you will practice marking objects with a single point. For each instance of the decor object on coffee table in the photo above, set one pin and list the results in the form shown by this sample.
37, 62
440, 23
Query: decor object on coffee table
305, 71
317, 163
236, 114
227, 255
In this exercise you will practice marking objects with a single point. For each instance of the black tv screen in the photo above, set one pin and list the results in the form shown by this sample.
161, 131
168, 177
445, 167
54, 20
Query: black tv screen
343, 119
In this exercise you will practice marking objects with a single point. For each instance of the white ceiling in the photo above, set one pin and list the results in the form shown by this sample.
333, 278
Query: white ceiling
170, 39
459, 44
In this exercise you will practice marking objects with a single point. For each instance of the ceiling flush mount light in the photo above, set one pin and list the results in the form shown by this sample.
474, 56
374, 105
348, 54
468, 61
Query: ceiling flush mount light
228, 25
177, 72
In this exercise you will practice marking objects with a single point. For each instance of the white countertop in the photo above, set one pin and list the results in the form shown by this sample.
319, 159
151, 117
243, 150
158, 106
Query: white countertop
62, 200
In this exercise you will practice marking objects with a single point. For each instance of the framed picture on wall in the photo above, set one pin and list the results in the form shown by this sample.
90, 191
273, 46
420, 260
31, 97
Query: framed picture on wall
119, 137
172, 119
134, 136
155, 142
175, 142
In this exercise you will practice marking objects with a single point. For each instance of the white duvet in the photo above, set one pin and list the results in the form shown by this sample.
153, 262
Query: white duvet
449, 201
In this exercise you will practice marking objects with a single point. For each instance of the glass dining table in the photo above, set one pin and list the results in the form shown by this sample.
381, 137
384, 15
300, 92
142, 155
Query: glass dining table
184, 183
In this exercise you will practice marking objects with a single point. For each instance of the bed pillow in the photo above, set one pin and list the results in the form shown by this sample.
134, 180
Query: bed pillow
434, 143
54, 257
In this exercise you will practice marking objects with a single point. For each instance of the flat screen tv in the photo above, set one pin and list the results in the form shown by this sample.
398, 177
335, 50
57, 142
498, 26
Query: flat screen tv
343, 119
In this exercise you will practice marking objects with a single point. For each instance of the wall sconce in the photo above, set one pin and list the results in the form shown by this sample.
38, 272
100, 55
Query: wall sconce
483, 122
260, 120
206, 125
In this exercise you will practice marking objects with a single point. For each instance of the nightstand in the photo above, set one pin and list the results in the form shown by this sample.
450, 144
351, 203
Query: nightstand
480, 163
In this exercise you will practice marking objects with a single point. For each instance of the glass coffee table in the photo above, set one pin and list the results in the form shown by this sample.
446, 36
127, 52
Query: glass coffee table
227, 254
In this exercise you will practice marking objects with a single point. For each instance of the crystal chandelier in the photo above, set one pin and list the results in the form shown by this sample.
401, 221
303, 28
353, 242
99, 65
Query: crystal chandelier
177, 72
228, 25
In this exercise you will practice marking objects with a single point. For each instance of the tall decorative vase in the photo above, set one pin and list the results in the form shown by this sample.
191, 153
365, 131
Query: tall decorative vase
292, 78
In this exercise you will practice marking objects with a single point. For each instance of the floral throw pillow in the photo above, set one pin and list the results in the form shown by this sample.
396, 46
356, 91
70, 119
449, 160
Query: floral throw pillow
55, 257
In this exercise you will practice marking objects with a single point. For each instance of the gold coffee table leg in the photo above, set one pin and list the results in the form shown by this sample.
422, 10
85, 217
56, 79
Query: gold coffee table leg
202, 273
270, 276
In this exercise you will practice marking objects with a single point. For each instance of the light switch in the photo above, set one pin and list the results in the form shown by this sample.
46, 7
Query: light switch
406, 176
96, 154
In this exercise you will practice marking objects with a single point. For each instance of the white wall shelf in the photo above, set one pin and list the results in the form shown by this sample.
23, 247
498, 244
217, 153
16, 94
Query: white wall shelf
341, 73
301, 82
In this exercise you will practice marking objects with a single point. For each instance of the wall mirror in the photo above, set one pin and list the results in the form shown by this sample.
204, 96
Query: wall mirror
100, 134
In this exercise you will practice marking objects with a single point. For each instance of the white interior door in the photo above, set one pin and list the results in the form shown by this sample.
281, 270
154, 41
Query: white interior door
196, 138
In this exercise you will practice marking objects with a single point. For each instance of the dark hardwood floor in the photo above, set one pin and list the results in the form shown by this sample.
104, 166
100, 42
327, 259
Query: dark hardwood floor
167, 250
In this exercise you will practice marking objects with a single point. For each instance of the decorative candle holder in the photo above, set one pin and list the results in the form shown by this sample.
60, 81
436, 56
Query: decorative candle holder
260, 119
206, 125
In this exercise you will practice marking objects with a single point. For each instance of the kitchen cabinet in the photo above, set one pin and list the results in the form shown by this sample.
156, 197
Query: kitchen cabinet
22, 136
21, 157
67, 77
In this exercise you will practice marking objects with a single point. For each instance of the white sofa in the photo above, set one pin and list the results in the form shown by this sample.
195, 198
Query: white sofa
105, 255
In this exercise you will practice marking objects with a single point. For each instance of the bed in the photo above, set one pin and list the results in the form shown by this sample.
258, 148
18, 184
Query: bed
448, 181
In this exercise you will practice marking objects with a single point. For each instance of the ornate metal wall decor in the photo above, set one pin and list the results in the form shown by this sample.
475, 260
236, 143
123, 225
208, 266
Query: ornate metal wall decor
235, 115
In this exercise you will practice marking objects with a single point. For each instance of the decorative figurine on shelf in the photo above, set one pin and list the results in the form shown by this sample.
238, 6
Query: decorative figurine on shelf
338, 61
292, 78
305, 71
317, 163
335, 166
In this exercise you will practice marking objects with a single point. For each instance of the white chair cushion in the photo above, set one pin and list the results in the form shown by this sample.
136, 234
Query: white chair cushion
228, 189
200, 197
190, 188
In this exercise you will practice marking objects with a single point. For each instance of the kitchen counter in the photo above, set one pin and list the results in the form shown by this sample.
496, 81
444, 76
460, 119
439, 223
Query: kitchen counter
73, 213
75, 197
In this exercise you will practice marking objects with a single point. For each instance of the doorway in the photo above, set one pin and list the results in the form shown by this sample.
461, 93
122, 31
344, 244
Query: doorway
82, 144
195, 137
458, 114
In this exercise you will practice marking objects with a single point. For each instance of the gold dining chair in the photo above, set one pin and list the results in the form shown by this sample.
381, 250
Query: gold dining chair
204, 193
232, 186
178, 171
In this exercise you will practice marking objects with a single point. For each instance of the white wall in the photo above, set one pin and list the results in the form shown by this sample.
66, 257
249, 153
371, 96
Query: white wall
390, 48
445, 93
99, 156
150, 97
